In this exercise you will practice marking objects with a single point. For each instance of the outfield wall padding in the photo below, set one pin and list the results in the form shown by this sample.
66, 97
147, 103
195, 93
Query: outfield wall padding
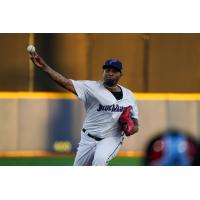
54, 124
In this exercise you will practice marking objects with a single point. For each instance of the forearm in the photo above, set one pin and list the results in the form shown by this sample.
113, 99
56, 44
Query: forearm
57, 77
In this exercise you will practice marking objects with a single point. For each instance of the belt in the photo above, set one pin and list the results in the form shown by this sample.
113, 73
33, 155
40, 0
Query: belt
92, 136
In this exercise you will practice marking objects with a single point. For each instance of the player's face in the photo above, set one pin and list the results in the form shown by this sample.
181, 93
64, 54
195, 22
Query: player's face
111, 76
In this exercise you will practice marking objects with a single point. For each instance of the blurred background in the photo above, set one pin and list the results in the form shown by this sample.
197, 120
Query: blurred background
41, 122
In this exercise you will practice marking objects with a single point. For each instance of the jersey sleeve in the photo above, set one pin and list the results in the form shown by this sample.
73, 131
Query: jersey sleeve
134, 106
81, 88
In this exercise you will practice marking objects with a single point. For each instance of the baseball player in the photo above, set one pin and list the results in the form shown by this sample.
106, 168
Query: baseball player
111, 112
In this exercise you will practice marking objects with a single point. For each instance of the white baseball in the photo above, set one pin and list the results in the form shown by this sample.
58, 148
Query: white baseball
31, 48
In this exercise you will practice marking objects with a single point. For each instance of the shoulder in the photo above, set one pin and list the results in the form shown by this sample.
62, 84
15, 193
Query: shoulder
92, 84
88, 83
128, 91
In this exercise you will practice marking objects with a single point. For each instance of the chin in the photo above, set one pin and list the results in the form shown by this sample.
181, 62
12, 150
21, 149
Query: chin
109, 83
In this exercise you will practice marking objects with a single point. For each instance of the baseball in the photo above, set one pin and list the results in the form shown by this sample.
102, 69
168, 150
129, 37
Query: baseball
31, 48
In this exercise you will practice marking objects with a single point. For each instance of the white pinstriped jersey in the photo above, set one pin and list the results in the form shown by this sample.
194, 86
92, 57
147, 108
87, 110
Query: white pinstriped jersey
102, 108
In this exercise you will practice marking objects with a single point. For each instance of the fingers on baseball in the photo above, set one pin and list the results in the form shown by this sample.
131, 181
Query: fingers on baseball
36, 60
33, 54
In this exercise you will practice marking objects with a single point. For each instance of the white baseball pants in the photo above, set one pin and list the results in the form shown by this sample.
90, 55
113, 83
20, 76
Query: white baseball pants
97, 153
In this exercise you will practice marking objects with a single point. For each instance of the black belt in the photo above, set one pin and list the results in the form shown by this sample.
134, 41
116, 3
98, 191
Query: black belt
92, 136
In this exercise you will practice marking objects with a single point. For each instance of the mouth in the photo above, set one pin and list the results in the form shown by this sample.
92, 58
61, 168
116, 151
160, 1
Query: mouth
109, 81
109, 78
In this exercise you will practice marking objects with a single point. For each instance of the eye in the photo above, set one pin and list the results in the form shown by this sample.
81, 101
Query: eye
107, 70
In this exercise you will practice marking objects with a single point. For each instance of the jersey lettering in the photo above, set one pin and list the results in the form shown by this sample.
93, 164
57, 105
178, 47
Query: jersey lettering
112, 108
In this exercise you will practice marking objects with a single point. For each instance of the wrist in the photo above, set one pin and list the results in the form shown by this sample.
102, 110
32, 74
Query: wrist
45, 68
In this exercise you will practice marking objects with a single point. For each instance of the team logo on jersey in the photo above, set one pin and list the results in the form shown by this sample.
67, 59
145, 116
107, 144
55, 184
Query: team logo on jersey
112, 108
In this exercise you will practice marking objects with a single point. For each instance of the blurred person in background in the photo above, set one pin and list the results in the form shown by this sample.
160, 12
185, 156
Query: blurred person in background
171, 148
196, 161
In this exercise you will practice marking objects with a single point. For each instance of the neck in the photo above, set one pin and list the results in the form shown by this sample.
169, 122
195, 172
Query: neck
114, 88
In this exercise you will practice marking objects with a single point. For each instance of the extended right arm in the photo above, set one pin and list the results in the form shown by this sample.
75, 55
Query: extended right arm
58, 78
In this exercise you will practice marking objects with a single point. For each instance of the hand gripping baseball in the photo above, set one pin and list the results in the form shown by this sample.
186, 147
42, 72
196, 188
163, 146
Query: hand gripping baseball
126, 121
36, 59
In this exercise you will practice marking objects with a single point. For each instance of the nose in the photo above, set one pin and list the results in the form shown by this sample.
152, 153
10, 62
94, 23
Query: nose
110, 72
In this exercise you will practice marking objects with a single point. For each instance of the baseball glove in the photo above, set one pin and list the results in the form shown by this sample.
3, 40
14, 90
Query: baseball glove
126, 121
